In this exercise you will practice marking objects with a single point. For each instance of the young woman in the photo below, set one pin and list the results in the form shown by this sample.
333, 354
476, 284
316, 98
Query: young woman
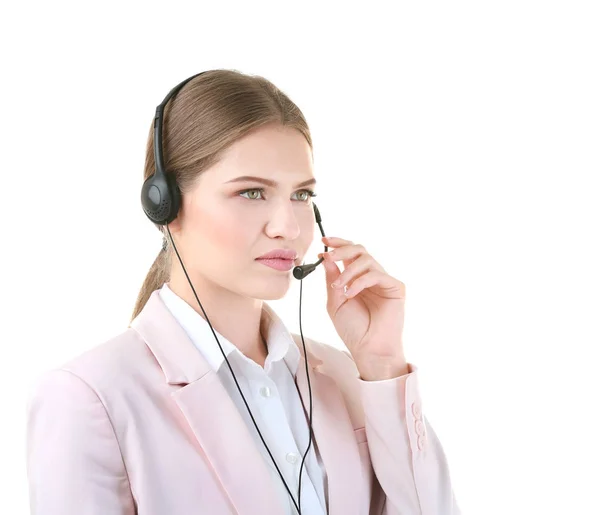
206, 403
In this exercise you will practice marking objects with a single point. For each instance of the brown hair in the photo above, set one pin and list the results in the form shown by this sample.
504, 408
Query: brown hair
209, 114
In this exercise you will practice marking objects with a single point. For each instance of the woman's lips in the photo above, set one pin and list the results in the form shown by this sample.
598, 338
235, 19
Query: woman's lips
278, 264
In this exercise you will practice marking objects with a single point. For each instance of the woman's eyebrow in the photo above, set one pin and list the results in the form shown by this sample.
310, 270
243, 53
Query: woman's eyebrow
269, 182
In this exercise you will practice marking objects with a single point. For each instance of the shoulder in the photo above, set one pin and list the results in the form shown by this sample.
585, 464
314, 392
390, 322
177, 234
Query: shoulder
103, 368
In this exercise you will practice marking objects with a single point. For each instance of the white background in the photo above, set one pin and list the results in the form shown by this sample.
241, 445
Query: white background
457, 141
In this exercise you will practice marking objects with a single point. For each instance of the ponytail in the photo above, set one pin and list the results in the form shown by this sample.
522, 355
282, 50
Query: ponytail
156, 277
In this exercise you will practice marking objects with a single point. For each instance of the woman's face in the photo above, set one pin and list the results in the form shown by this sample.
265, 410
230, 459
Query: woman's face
221, 230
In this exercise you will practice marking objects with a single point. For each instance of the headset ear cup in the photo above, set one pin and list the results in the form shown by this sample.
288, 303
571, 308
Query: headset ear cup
175, 198
161, 198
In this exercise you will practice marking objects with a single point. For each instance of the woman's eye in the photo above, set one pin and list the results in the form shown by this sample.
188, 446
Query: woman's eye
307, 194
246, 191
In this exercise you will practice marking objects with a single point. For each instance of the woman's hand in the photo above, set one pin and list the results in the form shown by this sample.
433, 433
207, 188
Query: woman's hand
369, 317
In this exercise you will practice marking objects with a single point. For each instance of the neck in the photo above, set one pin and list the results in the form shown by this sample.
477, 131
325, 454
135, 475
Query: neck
239, 319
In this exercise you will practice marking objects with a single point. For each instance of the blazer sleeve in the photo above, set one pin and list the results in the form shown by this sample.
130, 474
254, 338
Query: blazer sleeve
74, 464
406, 454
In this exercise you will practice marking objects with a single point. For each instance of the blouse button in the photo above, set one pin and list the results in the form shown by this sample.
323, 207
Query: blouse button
265, 391
292, 457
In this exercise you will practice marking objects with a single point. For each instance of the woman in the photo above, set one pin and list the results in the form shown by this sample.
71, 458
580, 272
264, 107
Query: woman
162, 420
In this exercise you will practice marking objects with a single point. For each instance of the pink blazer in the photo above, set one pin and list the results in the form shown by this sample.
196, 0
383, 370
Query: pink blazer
138, 423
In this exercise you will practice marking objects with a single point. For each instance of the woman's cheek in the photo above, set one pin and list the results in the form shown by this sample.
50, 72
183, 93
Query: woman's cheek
226, 232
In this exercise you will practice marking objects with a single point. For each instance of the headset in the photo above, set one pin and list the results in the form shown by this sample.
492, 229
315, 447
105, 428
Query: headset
161, 199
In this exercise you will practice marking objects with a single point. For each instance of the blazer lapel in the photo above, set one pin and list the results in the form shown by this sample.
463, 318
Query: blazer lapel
223, 436
334, 434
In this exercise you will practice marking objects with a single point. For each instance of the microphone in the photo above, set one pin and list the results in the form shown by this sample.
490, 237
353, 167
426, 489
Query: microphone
301, 271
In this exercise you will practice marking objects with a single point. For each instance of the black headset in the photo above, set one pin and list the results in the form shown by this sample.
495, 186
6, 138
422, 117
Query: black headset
161, 199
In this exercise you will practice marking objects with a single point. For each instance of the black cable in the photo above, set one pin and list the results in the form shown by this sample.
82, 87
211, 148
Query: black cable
238, 386
310, 434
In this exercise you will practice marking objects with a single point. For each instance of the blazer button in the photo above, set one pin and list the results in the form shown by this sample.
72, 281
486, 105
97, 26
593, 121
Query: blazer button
420, 428
416, 409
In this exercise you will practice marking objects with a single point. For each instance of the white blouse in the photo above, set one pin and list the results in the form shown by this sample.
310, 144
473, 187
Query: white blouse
272, 396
